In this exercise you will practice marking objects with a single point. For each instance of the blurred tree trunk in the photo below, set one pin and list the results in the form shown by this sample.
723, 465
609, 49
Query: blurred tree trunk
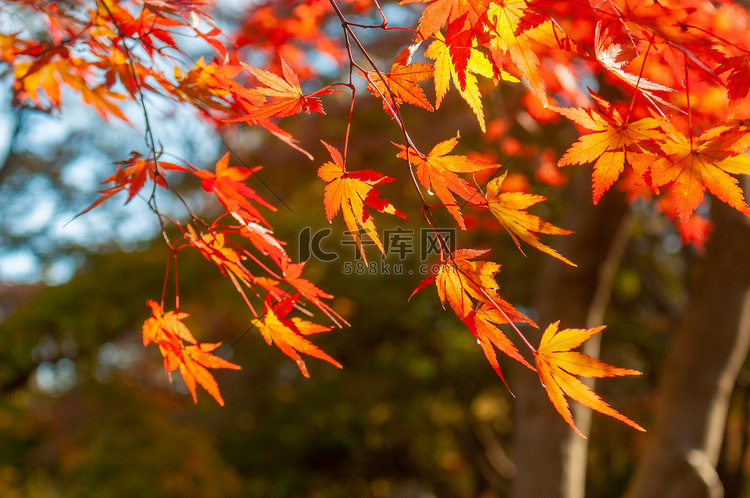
550, 457
700, 371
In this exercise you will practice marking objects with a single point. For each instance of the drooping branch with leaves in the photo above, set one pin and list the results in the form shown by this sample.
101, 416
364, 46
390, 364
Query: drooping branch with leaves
667, 121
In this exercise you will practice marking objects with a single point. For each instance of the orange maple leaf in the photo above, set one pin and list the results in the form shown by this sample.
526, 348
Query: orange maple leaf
263, 240
557, 367
459, 280
402, 82
614, 140
510, 40
490, 336
703, 163
168, 332
165, 327
212, 246
210, 86
284, 94
288, 333
510, 210
227, 184
105, 101
293, 276
440, 12
196, 359
437, 171
133, 177
41, 80
350, 192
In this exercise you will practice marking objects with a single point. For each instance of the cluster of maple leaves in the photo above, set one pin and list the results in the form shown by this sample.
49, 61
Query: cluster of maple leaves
674, 74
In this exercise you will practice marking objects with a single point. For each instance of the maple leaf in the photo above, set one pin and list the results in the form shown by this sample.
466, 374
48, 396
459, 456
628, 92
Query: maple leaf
293, 276
459, 280
44, 77
148, 24
706, 162
696, 231
440, 12
116, 65
402, 82
477, 63
614, 140
168, 332
557, 367
213, 247
614, 57
104, 100
489, 336
263, 240
437, 172
350, 192
196, 359
510, 210
165, 327
211, 86
458, 39
285, 94
227, 184
133, 178
510, 40
737, 82
288, 333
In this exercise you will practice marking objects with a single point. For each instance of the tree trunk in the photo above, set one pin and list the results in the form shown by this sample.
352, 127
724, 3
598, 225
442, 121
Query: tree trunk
550, 457
700, 370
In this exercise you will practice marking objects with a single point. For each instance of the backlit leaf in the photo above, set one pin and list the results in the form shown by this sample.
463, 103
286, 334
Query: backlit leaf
437, 173
352, 192
287, 333
557, 367
702, 163
402, 82
614, 140
510, 210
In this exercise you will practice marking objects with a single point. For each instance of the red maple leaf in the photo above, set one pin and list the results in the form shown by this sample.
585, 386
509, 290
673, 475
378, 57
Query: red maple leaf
284, 94
227, 184
288, 333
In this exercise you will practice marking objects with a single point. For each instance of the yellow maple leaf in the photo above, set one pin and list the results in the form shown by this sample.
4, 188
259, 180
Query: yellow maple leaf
510, 210
478, 64
557, 367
